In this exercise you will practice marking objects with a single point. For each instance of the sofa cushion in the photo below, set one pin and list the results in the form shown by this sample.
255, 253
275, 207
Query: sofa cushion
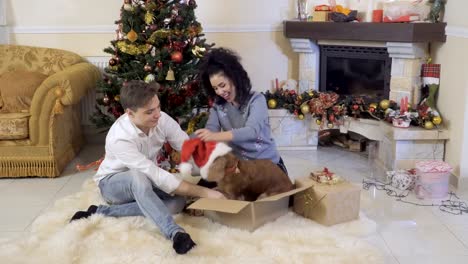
17, 89
14, 126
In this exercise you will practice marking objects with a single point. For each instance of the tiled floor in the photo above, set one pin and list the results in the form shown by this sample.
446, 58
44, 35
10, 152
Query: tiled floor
408, 234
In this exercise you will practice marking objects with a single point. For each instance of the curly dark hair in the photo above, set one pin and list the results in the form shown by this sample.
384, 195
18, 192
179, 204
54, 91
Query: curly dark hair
135, 94
227, 62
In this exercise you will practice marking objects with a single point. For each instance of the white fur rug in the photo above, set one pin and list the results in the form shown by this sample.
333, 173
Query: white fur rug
289, 239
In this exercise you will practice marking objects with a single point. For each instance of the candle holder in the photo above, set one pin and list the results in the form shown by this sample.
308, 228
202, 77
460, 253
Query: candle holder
302, 13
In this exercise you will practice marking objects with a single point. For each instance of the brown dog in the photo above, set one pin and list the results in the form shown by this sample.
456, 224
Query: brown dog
247, 179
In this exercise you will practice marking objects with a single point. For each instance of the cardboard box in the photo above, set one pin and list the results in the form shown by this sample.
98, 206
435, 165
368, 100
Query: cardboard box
327, 204
321, 16
246, 215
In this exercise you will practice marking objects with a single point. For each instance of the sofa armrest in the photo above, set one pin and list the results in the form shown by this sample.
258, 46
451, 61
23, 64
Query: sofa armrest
69, 86
73, 83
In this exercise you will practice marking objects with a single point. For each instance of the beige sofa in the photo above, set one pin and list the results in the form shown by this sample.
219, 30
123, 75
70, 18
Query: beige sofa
40, 129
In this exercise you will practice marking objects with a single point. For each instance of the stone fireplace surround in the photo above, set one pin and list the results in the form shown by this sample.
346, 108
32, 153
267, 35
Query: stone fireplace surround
398, 148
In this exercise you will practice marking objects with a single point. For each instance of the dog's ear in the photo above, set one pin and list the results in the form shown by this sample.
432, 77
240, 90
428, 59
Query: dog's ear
216, 170
231, 160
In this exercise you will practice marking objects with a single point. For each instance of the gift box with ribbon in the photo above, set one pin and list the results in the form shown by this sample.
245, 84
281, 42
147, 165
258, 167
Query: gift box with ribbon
327, 204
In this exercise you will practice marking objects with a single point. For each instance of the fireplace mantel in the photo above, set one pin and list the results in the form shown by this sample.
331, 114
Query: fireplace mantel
385, 32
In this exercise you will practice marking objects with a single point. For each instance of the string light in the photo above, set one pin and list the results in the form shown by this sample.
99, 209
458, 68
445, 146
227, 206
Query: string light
448, 206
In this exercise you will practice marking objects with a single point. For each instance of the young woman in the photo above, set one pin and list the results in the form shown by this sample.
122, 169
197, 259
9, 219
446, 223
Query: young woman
239, 116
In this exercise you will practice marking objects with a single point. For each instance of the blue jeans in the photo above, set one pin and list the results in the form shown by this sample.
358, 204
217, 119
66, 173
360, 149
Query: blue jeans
131, 193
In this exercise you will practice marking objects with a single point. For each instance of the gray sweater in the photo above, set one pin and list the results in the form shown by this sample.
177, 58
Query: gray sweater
250, 128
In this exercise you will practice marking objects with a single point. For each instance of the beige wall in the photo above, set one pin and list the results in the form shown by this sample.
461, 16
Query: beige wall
452, 102
249, 27
253, 32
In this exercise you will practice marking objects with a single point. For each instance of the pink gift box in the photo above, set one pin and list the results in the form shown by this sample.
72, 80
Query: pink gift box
432, 179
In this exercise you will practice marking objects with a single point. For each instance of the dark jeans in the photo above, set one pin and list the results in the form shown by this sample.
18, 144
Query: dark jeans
211, 185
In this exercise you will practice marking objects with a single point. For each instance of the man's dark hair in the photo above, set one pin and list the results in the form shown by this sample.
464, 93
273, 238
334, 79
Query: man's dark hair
227, 62
136, 94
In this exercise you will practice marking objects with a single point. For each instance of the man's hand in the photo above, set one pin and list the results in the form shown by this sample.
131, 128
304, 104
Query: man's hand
188, 189
212, 194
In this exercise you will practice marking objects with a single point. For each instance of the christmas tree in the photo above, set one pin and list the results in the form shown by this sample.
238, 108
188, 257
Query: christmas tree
156, 40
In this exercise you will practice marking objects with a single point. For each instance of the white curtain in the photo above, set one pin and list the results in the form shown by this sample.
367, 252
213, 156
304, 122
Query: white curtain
4, 31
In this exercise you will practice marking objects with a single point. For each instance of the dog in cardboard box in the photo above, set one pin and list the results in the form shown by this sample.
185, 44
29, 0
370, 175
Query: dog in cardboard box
238, 179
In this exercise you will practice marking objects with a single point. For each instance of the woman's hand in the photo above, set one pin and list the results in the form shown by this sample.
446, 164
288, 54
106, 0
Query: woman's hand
206, 135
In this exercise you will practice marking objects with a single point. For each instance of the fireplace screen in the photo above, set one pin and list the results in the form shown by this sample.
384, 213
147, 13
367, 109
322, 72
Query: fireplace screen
356, 71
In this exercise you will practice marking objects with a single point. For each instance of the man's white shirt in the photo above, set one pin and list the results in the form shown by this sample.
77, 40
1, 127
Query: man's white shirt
127, 147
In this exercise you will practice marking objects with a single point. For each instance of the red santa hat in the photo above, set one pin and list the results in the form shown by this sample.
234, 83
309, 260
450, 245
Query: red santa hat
203, 153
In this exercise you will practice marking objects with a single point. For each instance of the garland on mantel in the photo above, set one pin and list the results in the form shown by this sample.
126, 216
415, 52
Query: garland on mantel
330, 109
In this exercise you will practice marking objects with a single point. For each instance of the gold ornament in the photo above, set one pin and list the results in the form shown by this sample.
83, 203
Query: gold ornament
428, 125
117, 98
160, 34
311, 93
305, 109
128, 7
198, 51
132, 35
373, 105
318, 122
272, 103
170, 75
105, 100
330, 125
437, 120
150, 78
300, 117
384, 104
149, 18
133, 49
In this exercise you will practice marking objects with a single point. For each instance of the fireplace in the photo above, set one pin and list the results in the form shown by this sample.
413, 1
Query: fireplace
355, 71
394, 52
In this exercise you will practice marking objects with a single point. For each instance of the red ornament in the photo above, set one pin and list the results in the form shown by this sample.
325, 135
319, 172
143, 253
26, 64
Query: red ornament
159, 64
331, 118
355, 107
179, 19
112, 62
292, 92
192, 3
176, 56
147, 68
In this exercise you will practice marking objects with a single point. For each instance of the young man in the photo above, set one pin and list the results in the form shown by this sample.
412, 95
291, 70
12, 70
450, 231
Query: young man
129, 179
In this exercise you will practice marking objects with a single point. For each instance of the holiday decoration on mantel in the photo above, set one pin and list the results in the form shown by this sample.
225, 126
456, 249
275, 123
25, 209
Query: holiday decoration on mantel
330, 110
155, 41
